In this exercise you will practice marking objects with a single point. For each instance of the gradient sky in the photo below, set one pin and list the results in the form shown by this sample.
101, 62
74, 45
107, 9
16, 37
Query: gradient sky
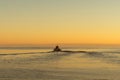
59, 22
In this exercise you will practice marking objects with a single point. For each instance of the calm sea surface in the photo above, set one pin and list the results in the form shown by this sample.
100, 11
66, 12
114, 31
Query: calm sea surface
38, 63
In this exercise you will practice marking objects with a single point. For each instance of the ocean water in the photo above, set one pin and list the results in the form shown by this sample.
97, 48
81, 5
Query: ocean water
34, 63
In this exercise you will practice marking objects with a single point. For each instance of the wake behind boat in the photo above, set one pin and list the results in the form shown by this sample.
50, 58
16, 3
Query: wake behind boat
58, 49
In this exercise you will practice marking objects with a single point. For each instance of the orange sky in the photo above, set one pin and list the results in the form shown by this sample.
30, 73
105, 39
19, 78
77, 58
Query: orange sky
59, 22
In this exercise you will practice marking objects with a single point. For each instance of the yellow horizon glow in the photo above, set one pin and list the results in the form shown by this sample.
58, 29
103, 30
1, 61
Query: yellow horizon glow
59, 22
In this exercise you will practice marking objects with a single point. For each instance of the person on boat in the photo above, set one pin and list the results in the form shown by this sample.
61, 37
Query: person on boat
57, 49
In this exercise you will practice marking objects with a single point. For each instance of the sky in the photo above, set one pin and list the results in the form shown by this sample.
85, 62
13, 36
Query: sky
59, 22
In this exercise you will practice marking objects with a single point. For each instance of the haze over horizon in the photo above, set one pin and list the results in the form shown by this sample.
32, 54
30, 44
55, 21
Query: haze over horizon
34, 22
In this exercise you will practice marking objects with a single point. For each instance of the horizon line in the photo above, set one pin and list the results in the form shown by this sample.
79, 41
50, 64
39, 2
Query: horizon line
63, 44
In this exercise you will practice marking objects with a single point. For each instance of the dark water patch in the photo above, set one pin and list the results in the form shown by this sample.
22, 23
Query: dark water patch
51, 57
39, 57
108, 58
56, 56
75, 51
52, 52
27, 53
95, 54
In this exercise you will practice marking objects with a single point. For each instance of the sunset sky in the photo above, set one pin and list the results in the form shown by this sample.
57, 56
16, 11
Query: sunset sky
59, 22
